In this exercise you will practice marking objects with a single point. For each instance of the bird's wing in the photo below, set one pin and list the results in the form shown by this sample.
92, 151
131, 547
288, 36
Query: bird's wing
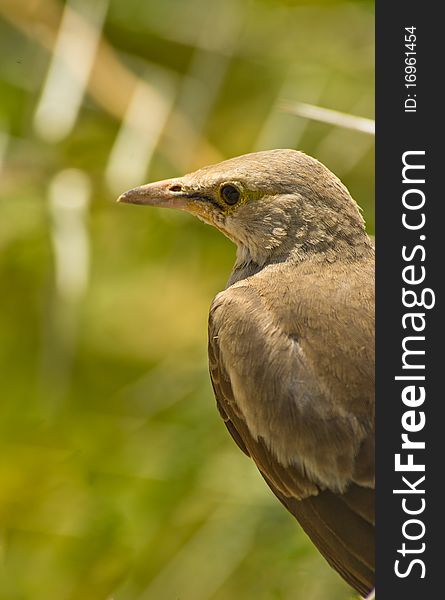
313, 451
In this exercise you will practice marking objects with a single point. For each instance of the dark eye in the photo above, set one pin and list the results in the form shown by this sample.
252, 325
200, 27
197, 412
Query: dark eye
230, 194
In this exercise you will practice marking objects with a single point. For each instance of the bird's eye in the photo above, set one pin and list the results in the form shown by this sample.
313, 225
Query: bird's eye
230, 194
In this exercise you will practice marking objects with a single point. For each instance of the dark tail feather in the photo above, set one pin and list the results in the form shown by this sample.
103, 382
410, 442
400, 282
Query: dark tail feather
342, 528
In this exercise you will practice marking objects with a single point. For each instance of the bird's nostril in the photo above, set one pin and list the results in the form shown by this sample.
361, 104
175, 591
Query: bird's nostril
176, 188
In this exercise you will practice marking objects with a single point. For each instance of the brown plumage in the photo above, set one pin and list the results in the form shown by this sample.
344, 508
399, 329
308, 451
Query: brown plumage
291, 339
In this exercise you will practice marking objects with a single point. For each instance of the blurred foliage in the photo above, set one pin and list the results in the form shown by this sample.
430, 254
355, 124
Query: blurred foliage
117, 477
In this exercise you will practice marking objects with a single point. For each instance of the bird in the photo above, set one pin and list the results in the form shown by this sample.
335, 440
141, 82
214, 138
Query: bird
291, 339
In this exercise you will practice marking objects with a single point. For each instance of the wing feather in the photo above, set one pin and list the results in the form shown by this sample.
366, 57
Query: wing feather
340, 523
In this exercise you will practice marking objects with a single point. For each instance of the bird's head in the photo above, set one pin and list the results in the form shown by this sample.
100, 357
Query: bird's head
269, 203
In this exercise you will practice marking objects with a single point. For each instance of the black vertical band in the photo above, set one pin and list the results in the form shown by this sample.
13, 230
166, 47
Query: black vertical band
410, 228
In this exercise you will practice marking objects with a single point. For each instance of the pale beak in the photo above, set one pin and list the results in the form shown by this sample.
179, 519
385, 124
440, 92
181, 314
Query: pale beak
168, 193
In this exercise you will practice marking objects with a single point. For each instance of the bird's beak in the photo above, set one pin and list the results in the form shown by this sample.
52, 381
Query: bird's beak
167, 194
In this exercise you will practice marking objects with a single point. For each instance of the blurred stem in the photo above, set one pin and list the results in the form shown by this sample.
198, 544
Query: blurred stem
111, 84
69, 196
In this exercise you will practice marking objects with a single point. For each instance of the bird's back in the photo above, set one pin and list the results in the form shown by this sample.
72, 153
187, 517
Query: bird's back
291, 352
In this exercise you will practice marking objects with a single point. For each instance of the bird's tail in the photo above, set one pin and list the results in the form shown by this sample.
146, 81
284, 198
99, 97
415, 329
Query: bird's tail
342, 528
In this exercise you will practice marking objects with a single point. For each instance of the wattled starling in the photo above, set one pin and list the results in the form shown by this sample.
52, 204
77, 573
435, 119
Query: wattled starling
291, 339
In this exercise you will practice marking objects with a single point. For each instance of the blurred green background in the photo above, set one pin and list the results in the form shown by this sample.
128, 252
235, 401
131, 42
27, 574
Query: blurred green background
118, 479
